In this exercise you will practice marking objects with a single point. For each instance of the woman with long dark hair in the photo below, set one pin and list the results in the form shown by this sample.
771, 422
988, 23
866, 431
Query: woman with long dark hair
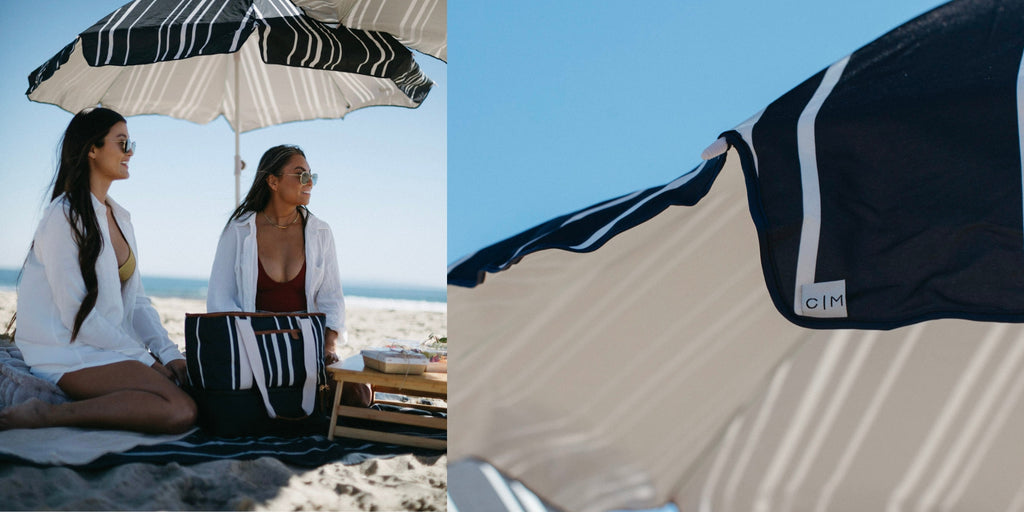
84, 321
274, 255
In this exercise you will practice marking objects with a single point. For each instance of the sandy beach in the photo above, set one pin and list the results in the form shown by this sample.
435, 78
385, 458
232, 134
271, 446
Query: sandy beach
403, 482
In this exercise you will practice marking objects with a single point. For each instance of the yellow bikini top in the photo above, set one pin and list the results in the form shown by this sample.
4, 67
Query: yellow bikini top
125, 271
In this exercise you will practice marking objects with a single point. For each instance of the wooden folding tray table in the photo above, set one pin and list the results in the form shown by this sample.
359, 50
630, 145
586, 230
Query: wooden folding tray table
433, 385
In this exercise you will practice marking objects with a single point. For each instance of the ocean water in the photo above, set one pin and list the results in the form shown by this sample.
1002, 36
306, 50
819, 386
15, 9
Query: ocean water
370, 295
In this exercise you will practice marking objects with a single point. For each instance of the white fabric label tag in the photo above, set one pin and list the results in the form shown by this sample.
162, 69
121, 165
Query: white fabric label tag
823, 300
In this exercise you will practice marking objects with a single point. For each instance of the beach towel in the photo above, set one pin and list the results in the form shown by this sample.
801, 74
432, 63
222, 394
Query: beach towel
95, 449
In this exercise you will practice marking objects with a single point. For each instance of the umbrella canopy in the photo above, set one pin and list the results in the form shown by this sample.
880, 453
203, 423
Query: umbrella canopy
256, 62
655, 357
420, 25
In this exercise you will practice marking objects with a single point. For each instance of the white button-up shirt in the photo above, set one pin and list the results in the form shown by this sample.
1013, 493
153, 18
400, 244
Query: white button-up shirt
122, 325
235, 271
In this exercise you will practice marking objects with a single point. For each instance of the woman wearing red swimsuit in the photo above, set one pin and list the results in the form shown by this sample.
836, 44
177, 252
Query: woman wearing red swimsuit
274, 255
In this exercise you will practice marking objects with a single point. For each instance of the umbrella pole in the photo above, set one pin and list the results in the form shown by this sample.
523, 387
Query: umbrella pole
238, 157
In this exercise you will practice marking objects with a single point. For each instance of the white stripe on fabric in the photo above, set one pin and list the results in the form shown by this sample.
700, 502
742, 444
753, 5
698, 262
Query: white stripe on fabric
168, 22
801, 421
529, 501
290, 359
235, 41
807, 257
209, 33
295, 35
868, 418
756, 431
184, 30
245, 369
724, 452
128, 33
311, 355
500, 488
209, 30
572, 219
682, 180
382, 60
199, 358
834, 404
233, 354
1020, 128
275, 342
99, 37
112, 29
933, 444
1008, 405
746, 131
967, 436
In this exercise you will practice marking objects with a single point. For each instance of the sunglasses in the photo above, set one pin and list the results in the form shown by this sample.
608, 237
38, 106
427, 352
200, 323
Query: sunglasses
127, 145
304, 177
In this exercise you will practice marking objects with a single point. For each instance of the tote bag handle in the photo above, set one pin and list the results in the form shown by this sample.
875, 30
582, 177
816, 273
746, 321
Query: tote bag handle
252, 354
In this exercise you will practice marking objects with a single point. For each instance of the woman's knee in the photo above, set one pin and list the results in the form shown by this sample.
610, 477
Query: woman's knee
182, 414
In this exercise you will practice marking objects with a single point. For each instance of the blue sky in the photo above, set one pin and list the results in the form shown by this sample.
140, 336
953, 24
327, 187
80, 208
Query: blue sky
559, 105
382, 169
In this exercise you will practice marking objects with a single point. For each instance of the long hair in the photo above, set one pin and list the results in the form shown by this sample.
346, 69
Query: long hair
271, 163
87, 129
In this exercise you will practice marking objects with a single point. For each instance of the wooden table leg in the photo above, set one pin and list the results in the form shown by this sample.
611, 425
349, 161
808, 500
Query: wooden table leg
334, 409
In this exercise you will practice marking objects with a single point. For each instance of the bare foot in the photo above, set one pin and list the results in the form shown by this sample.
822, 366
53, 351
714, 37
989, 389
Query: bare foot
30, 414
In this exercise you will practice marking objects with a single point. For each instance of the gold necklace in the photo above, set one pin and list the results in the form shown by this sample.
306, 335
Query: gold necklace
279, 226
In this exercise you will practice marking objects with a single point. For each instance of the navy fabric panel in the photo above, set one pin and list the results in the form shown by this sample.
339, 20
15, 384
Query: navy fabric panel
558, 234
160, 31
920, 175
40, 74
778, 184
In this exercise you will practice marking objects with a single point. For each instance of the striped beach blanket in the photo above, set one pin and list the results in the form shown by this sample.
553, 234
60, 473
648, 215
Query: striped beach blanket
38, 447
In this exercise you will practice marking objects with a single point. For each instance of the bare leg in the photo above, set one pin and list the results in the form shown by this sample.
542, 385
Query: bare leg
126, 395
356, 394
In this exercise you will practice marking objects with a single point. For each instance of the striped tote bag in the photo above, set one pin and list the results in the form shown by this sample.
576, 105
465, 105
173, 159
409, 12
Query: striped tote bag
255, 373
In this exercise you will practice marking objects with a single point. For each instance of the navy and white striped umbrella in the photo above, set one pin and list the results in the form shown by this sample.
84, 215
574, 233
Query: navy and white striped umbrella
256, 62
647, 353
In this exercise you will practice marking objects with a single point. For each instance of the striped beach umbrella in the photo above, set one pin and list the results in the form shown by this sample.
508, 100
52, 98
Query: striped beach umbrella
258, 63
872, 357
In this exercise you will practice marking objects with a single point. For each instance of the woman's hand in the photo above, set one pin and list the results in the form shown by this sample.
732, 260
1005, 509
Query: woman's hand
175, 371
162, 370
180, 370
330, 347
